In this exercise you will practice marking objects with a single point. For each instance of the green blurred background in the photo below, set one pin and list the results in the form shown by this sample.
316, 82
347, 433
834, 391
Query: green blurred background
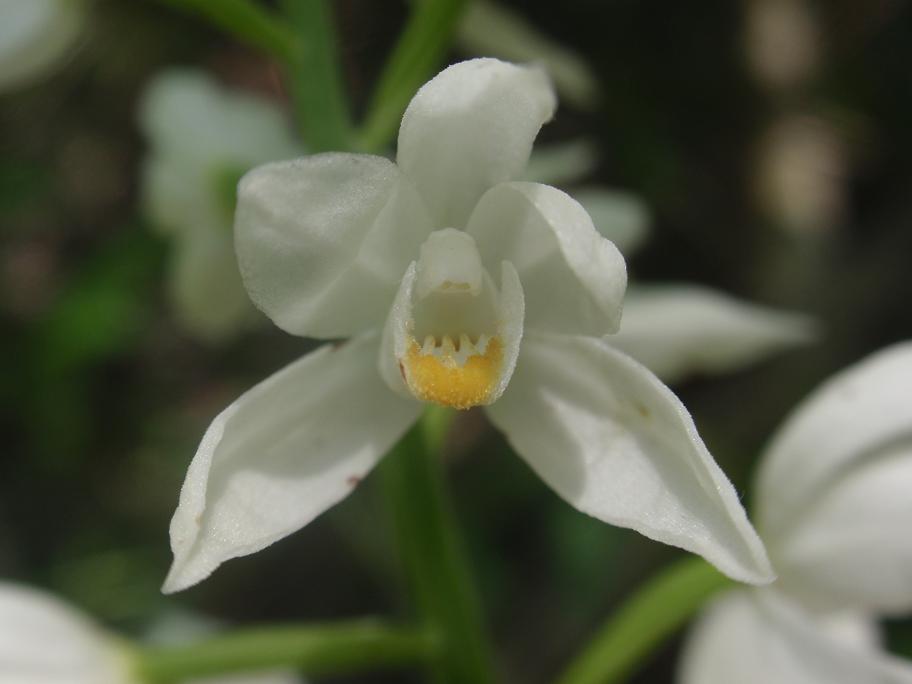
104, 398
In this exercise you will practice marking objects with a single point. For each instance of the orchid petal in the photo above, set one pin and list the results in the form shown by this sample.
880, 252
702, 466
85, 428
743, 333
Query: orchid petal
851, 420
758, 638
283, 453
852, 546
45, 641
676, 330
573, 278
323, 241
613, 441
469, 128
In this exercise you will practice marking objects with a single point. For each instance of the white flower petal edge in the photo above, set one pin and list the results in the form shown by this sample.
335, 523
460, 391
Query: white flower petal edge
34, 36
614, 442
753, 637
573, 278
284, 452
851, 420
676, 330
45, 641
469, 128
323, 241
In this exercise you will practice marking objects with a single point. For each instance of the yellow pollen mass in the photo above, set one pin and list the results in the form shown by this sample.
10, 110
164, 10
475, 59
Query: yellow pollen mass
440, 379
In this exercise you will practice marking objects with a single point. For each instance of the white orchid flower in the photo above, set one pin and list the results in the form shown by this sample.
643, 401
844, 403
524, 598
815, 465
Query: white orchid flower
203, 137
457, 287
44, 640
35, 35
834, 508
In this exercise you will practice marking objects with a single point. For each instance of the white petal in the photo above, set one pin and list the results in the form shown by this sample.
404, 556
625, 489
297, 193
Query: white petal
283, 453
620, 216
209, 299
45, 641
35, 35
852, 548
562, 163
676, 330
323, 241
469, 128
848, 422
187, 114
757, 638
574, 279
492, 29
614, 442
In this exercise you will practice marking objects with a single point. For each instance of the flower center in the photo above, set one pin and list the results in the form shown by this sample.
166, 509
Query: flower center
459, 373
453, 354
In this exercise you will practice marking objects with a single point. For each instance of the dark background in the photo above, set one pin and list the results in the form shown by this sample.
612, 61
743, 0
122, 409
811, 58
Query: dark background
104, 399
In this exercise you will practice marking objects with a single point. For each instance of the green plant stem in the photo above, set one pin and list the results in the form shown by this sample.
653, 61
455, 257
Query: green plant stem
248, 22
659, 608
419, 51
433, 553
316, 78
338, 648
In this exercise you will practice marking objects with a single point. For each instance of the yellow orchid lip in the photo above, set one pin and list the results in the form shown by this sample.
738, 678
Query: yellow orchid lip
459, 374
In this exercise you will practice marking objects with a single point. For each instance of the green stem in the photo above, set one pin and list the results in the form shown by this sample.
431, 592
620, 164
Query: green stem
247, 22
419, 51
316, 79
658, 609
433, 553
340, 648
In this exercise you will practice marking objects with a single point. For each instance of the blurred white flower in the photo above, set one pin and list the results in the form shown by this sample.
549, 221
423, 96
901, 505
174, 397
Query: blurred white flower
46, 641
783, 42
834, 508
35, 35
342, 245
674, 329
202, 139
801, 173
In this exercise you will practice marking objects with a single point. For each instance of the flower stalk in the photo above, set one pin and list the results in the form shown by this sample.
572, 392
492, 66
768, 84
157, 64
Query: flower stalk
339, 648
659, 608
432, 552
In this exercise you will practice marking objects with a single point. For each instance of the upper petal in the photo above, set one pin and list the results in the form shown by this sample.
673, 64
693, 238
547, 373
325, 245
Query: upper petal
757, 638
614, 442
283, 453
323, 241
675, 330
468, 128
854, 418
573, 278
45, 641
